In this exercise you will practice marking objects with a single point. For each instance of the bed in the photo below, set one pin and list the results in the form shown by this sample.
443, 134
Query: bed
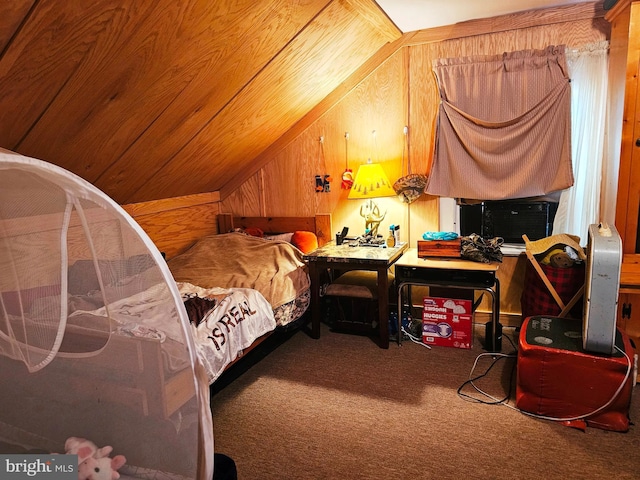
237, 288
234, 303
95, 340
263, 268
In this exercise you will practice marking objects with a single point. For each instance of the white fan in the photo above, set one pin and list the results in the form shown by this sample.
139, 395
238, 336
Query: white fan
602, 283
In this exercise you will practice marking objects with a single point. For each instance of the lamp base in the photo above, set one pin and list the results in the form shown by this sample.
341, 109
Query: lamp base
372, 217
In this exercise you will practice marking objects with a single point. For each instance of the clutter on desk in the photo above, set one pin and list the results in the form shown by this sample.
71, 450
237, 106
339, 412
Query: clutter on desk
396, 233
439, 244
369, 240
430, 236
391, 239
474, 247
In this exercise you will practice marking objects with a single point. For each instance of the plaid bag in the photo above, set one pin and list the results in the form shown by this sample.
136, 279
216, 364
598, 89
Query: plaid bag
536, 298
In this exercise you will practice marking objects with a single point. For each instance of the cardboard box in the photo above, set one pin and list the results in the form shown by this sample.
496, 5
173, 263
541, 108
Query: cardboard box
447, 322
447, 305
439, 248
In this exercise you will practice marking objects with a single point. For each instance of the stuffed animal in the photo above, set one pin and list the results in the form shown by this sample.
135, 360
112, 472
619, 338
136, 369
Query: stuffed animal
93, 462
561, 258
85, 448
104, 468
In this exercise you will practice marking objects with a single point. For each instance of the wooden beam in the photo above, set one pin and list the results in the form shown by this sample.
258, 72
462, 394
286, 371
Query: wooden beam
504, 23
162, 205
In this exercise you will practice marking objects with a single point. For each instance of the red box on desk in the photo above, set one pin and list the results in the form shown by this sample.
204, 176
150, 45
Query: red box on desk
559, 380
447, 322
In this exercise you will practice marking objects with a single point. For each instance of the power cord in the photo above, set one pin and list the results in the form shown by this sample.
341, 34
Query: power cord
414, 339
504, 401
471, 381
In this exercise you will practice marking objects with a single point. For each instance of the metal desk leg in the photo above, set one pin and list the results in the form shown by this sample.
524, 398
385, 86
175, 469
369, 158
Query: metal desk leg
314, 274
494, 292
383, 307
400, 305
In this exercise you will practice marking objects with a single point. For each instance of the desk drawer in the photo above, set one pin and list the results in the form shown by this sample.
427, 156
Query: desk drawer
447, 277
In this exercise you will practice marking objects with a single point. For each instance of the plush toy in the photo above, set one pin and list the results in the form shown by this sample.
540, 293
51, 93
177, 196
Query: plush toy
93, 462
85, 448
560, 258
104, 468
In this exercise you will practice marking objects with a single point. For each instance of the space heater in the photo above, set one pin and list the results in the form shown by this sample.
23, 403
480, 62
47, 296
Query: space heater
602, 280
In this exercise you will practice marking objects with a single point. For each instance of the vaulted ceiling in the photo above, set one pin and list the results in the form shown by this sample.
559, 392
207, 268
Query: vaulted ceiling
150, 99
153, 99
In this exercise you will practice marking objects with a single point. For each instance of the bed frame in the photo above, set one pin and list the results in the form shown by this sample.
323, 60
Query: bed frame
188, 214
174, 225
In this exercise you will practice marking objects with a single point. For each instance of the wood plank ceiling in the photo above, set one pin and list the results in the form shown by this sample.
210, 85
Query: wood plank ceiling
154, 99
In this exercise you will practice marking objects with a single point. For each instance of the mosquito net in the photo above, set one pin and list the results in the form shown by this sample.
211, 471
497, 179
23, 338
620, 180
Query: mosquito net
95, 342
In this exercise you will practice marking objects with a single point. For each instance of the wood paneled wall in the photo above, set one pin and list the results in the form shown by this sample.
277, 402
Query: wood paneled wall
401, 91
174, 224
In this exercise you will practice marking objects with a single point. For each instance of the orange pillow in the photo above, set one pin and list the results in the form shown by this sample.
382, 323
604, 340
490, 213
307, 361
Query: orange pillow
254, 231
305, 241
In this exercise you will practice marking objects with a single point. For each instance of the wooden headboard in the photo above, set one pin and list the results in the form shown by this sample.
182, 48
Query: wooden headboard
174, 224
320, 224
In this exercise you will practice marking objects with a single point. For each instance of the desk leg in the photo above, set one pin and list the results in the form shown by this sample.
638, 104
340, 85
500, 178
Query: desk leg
401, 302
316, 310
497, 328
493, 335
383, 307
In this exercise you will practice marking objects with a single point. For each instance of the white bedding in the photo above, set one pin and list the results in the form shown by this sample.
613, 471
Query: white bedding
238, 319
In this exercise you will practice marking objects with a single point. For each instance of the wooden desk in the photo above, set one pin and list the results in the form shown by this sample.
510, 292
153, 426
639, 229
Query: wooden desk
450, 273
344, 258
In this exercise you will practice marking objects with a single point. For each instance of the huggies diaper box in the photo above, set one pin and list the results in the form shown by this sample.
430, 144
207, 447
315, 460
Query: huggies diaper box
447, 322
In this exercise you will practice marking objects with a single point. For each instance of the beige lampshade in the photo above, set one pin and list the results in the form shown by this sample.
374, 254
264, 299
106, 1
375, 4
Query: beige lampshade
371, 182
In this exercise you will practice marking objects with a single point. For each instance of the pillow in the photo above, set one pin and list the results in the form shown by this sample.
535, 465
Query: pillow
254, 231
285, 237
305, 241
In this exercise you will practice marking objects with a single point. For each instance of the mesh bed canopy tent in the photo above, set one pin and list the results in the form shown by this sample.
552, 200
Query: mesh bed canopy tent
87, 307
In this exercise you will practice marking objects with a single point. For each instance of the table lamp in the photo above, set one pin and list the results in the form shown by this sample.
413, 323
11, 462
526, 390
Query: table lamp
371, 182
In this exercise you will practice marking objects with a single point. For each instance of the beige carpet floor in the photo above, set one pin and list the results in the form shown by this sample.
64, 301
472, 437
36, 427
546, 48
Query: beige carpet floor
342, 408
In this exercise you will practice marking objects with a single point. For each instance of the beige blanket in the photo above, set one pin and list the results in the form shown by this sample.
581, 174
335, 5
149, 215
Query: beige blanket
274, 268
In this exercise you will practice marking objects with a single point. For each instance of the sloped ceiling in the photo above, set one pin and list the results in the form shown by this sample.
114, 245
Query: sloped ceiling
153, 99
411, 15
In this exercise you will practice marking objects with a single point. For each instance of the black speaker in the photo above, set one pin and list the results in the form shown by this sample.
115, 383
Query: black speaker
508, 219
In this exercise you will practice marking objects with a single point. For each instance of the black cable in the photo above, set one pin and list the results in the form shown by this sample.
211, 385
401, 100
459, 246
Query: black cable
471, 381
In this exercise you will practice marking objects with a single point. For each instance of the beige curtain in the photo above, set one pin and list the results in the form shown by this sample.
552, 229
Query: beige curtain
504, 126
